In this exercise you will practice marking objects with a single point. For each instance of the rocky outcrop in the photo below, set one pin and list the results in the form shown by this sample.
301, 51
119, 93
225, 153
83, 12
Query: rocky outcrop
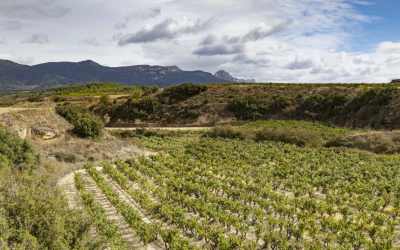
226, 76
395, 81
222, 74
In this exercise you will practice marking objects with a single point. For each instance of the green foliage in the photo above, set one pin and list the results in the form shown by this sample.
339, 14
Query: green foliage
65, 157
325, 103
206, 101
155, 89
228, 132
34, 214
105, 100
137, 93
280, 102
183, 91
21, 153
371, 101
139, 133
35, 98
319, 129
193, 114
95, 89
247, 107
86, 124
132, 110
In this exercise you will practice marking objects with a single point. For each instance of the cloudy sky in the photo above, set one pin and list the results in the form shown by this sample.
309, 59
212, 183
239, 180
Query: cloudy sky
270, 40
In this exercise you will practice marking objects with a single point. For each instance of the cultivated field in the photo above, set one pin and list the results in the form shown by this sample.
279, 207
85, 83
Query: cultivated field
232, 194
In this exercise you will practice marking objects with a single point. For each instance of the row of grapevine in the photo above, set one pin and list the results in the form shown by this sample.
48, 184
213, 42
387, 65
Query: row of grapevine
106, 227
200, 228
147, 232
254, 174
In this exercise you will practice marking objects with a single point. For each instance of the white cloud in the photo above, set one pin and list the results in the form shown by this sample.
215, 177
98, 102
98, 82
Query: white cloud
166, 30
32, 9
142, 15
37, 38
17, 58
13, 25
90, 42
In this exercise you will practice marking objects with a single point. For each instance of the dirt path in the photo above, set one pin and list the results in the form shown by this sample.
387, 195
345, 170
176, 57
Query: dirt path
165, 128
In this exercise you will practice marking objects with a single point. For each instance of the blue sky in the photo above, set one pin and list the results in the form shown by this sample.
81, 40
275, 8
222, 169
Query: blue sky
384, 26
269, 40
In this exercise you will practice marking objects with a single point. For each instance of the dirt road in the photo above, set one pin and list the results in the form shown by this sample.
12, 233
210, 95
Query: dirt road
165, 128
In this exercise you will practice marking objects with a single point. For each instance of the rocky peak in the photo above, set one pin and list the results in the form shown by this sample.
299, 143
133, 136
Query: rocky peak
226, 76
222, 74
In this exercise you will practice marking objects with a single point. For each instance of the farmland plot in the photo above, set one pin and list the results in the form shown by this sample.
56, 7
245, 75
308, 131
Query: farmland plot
231, 194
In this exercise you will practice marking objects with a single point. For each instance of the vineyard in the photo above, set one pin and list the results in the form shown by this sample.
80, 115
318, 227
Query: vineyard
240, 194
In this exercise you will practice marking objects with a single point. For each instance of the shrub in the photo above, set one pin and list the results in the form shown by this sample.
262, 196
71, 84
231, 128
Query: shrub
37, 98
105, 100
280, 102
188, 114
93, 158
206, 101
155, 89
137, 93
228, 132
132, 110
62, 156
138, 133
86, 124
247, 107
89, 125
18, 151
337, 141
183, 91
312, 103
325, 103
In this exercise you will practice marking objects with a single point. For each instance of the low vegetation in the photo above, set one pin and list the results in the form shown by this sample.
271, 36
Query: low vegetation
34, 213
183, 91
86, 124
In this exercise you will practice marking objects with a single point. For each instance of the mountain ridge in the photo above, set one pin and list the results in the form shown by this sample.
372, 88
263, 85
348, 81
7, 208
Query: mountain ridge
14, 76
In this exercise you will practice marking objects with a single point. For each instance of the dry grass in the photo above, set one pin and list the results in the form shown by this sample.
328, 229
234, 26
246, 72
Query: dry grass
377, 142
107, 148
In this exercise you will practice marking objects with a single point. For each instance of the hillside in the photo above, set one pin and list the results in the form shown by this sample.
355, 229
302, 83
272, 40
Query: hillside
14, 76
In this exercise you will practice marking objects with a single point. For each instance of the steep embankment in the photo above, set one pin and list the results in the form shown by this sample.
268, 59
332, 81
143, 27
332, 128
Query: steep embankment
354, 106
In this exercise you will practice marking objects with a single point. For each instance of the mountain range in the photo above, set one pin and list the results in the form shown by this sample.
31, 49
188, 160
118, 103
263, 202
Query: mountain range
14, 76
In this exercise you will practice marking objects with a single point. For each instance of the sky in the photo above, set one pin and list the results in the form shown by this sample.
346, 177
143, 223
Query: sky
304, 41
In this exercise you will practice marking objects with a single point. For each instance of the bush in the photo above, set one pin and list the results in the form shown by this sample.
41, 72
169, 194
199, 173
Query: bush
155, 89
228, 132
19, 152
280, 102
86, 124
183, 91
188, 114
89, 125
37, 98
62, 156
138, 133
325, 103
247, 107
137, 93
105, 100
34, 214
206, 101
132, 110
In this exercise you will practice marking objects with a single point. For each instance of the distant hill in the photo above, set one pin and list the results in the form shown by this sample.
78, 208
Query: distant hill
222, 74
15, 76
